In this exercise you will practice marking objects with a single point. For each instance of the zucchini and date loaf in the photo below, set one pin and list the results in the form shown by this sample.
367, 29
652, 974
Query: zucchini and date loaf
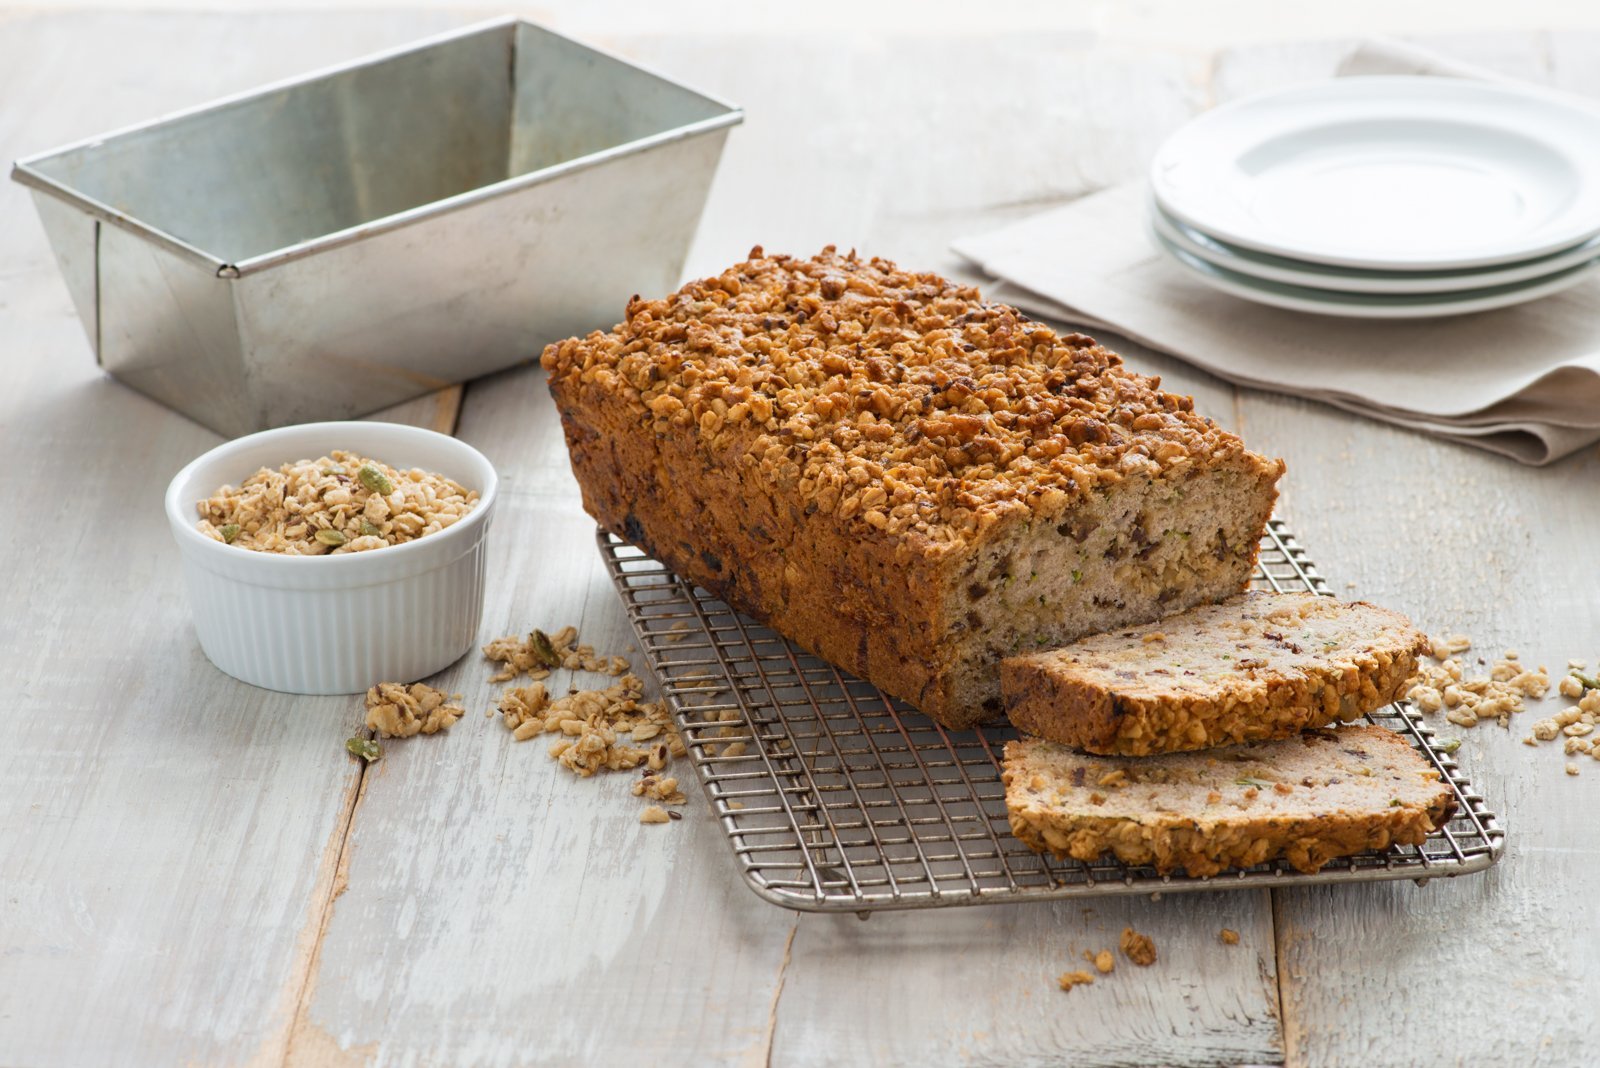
1259, 665
904, 479
1306, 800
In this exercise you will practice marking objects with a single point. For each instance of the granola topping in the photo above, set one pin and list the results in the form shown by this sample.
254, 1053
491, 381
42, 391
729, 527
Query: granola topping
340, 503
887, 397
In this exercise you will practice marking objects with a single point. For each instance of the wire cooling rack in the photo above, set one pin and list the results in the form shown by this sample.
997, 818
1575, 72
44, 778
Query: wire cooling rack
835, 797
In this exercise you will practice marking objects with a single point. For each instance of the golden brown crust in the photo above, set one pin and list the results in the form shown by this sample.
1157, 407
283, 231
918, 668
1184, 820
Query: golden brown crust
1066, 696
901, 403
1204, 834
828, 444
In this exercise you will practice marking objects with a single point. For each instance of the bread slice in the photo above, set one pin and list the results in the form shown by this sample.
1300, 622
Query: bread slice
1256, 666
905, 479
1308, 799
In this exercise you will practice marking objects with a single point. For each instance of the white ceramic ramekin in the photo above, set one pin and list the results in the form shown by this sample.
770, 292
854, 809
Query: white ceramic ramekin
335, 624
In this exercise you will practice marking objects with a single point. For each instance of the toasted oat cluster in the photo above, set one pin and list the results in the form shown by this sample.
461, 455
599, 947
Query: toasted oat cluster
341, 503
1468, 700
396, 710
591, 723
963, 411
537, 654
1138, 948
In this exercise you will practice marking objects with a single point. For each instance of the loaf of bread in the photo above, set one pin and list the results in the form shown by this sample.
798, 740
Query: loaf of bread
904, 479
1257, 666
1307, 799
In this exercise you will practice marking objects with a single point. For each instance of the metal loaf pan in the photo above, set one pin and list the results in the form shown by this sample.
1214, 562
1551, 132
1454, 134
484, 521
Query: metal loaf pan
331, 245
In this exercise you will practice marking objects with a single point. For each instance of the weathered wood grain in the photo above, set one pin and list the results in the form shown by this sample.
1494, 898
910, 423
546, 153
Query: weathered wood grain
1467, 543
1486, 969
499, 909
192, 872
169, 837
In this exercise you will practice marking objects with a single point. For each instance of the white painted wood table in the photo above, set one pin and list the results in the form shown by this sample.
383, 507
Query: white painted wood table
192, 872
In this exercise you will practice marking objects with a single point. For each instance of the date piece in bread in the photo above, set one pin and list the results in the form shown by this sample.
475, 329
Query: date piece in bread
1257, 666
1308, 799
904, 479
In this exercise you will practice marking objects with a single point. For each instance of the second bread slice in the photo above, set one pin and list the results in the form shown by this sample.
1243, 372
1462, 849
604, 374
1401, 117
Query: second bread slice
1254, 667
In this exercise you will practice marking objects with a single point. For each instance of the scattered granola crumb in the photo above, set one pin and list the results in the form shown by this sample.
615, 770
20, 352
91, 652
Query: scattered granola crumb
535, 654
1103, 961
1454, 645
1229, 936
736, 805
1068, 980
677, 632
654, 814
1467, 700
367, 749
396, 710
1138, 948
1572, 769
611, 729
663, 789
591, 722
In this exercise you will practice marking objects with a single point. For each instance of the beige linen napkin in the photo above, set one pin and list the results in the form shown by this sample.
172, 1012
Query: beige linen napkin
1521, 381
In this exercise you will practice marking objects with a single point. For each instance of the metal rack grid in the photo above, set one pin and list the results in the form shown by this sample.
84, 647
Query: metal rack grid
842, 799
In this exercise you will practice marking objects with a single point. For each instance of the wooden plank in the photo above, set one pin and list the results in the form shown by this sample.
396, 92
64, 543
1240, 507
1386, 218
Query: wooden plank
1496, 968
979, 986
1486, 969
170, 836
497, 904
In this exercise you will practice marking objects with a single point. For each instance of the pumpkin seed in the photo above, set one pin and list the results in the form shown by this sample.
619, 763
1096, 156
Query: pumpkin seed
375, 480
331, 537
229, 531
367, 749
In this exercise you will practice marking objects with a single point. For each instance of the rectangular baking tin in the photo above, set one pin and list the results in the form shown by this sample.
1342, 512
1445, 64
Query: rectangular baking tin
333, 244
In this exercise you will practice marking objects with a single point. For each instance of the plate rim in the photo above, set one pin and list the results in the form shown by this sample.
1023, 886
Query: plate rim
1365, 305
1569, 104
1360, 280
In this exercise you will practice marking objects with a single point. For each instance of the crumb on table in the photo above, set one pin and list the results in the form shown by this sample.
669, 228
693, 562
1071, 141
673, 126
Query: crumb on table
396, 710
1068, 980
1138, 948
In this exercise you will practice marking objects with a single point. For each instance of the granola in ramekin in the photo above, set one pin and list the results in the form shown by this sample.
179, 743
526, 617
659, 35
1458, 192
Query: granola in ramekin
341, 503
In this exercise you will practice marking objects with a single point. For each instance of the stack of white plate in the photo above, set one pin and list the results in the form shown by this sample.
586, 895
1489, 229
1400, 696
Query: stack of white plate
1385, 197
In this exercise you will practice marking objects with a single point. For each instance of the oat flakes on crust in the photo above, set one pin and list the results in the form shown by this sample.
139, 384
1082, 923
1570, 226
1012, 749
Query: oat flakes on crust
1351, 789
1257, 666
903, 478
966, 411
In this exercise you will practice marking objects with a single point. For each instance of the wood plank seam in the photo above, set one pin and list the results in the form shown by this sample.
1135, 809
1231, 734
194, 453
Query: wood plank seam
306, 982
777, 993
1286, 1032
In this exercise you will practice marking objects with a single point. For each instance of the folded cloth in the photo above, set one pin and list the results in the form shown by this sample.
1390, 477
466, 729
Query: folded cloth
1521, 381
